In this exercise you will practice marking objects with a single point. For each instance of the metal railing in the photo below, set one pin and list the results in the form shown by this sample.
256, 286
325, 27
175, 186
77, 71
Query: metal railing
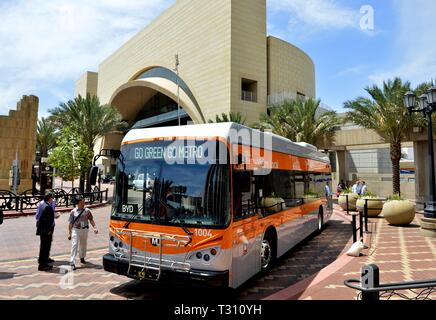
26, 201
371, 289
363, 217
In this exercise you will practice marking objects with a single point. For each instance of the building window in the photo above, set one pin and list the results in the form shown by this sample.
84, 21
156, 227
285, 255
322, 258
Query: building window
249, 90
301, 96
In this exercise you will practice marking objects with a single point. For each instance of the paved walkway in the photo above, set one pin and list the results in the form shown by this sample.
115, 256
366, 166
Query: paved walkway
314, 270
401, 253
18, 240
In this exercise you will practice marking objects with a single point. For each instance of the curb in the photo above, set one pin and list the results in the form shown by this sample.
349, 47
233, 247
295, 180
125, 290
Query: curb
297, 289
60, 210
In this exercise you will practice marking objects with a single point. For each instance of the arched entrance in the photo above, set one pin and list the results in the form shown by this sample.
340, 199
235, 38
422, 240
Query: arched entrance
151, 100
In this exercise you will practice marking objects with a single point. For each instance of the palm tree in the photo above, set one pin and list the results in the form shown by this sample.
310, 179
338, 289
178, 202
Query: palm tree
235, 117
301, 121
88, 119
384, 112
45, 136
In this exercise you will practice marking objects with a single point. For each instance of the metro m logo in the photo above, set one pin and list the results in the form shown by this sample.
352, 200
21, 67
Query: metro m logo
155, 242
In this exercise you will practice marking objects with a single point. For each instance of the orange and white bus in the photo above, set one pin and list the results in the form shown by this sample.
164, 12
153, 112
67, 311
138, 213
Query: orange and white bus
213, 208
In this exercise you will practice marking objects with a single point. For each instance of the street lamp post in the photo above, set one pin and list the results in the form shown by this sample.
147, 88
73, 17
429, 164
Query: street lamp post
178, 88
427, 106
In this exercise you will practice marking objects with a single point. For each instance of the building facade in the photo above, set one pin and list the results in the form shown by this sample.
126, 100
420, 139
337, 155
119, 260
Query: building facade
361, 154
227, 64
18, 141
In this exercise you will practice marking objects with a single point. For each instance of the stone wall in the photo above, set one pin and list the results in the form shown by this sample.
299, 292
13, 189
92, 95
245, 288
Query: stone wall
18, 133
290, 70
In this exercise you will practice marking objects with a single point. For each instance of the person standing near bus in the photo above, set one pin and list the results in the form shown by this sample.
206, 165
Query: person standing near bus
78, 229
327, 191
364, 188
355, 188
45, 229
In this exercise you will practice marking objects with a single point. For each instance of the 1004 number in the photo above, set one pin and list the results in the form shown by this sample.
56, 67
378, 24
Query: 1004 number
202, 233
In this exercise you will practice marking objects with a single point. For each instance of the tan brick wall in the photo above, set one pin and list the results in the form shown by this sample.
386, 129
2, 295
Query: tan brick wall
18, 132
249, 56
289, 69
88, 83
199, 31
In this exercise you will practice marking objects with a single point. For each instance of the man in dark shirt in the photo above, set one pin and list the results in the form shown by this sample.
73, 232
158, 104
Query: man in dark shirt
45, 228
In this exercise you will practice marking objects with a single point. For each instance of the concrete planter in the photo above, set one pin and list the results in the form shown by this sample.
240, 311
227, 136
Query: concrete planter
352, 199
273, 205
375, 206
399, 212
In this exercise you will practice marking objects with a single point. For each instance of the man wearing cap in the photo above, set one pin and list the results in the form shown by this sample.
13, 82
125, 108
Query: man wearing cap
78, 230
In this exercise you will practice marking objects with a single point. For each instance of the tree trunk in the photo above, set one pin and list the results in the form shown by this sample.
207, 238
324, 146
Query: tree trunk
82, 184
396, 158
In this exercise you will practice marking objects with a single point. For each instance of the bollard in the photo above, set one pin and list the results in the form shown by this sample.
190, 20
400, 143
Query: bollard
354, 229
348, 209
370, 279
365, 210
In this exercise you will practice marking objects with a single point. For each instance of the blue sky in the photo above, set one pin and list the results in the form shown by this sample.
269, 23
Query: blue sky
47, 45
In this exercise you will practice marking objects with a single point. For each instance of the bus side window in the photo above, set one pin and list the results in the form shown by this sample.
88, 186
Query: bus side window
243, 202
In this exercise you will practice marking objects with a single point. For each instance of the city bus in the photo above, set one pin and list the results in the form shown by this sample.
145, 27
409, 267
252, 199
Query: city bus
221, 203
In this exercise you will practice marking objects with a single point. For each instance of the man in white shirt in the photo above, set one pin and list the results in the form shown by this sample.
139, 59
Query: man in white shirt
355, 187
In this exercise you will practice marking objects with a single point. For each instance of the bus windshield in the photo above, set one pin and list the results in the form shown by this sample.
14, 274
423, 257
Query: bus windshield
153, 190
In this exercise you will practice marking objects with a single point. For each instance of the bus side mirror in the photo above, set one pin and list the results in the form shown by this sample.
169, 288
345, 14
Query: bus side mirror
93, 173
1, 216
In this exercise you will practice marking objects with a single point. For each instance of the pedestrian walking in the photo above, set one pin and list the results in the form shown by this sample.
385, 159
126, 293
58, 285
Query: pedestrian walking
341, 187
327, 190
45, 229
355, 187
364, 188
78, 229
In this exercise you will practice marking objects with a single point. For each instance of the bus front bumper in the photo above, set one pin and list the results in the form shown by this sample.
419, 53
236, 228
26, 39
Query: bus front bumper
209, 278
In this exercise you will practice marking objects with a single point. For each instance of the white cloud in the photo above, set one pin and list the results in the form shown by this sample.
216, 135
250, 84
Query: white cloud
45, 43
415, 49
315, 15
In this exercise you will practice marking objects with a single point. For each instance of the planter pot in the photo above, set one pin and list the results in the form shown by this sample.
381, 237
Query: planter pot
375, 206
352, 199
399, 213
273, 205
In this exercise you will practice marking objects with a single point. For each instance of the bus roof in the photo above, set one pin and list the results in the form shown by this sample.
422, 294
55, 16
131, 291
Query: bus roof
223, 130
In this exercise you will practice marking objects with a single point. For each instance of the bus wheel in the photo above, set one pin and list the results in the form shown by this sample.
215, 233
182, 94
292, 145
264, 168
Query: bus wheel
320, 220
267, 252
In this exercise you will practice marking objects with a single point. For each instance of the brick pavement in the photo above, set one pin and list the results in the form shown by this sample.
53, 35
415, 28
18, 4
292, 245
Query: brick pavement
21, 280
401, 253
318, 266
18, 239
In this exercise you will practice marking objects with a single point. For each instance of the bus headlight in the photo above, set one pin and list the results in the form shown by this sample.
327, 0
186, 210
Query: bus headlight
204, 255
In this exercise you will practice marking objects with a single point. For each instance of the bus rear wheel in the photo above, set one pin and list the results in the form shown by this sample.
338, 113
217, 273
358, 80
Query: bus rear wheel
267, 252
320, 220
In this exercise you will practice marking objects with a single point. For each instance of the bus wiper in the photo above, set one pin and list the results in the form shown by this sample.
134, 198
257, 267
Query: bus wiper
130, 221
181, 223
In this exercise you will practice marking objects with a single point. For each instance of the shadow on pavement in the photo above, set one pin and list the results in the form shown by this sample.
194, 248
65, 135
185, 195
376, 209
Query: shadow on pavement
410, 226
6, 275
305, 260
137, 290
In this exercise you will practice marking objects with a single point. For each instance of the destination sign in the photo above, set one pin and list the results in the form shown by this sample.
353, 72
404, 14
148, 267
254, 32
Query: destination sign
168, 152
